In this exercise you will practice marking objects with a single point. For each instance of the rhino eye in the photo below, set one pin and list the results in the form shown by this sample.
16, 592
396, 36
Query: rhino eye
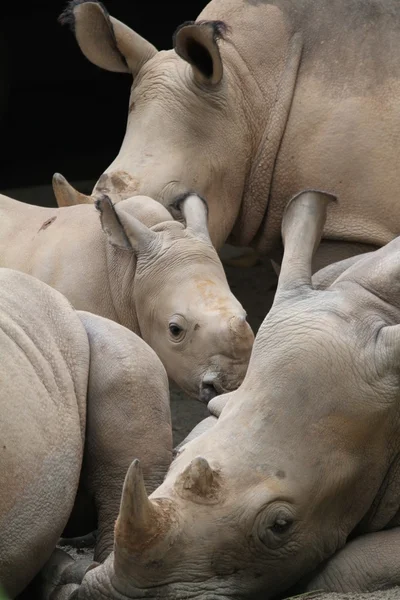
175, 330
274, 526
281, 525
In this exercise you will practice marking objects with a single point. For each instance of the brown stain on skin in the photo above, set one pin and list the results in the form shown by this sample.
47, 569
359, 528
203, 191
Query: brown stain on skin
47, 224
209, 292
118, 181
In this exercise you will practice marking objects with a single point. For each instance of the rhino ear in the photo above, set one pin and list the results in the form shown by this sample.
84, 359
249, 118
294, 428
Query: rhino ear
302, 228
197, 44
123, 230
105, 41
194, 210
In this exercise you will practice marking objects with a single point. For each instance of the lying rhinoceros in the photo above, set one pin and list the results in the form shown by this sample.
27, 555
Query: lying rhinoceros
258, 100
80, 397
303, 458
160, 279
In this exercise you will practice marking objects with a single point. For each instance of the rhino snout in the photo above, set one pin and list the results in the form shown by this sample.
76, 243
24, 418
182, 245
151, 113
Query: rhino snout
209, 389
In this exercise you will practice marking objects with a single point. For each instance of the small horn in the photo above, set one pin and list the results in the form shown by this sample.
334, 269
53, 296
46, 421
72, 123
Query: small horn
65, 194
194, 210
199, 478
302, 228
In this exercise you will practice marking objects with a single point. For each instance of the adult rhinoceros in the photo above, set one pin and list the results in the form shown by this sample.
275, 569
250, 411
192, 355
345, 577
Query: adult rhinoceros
258, 101
302, 466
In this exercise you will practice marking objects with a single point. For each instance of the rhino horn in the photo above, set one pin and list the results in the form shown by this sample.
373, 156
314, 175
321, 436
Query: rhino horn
135, 505
302, 228
199, 479
65, 194
194, 210
142, 523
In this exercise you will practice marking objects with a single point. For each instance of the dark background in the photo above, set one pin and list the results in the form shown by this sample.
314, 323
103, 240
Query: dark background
58, 112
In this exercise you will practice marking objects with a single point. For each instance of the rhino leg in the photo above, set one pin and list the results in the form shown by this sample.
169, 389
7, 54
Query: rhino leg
367, 563
128, 417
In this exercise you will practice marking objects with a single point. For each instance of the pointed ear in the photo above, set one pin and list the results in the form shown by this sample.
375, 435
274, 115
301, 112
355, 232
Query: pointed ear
123, 230
197, 44
105, 41
65, 194
302, 228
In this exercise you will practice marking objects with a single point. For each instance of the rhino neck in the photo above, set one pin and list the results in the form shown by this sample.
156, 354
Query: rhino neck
259, 184
268, 60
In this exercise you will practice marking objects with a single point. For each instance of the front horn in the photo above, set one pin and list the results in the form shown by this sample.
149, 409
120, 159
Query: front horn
144, 527
65, 194
302, 228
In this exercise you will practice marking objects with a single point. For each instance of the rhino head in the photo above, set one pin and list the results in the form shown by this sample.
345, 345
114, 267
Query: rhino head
300, 456
184, 306
185, 130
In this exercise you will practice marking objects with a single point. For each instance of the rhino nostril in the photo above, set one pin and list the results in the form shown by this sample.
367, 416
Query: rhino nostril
207, 392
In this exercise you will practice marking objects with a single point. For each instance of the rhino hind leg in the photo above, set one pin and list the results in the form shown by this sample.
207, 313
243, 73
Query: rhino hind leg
366, 564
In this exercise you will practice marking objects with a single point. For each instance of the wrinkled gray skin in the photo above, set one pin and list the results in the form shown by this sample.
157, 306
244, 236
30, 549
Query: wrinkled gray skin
304, 456
295, 94
80, 398
157, 277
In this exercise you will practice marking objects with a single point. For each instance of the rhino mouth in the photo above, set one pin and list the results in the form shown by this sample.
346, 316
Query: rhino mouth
208, 391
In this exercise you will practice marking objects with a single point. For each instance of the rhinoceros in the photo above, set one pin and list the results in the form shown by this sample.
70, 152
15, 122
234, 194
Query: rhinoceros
80, 397
301, 469
162, 280
257, 101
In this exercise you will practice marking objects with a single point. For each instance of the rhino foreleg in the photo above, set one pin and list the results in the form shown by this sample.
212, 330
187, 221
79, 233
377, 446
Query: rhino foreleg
367, 563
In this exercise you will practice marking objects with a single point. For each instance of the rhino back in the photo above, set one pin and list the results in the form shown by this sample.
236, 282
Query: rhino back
64, 247
350, 46
43, 375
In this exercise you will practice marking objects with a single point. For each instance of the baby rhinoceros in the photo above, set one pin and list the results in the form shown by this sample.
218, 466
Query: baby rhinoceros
302, 469
80, 397
155, 276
